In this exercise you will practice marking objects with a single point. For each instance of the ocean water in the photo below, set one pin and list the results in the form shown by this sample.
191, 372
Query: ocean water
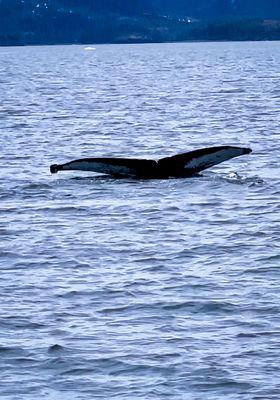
127, 289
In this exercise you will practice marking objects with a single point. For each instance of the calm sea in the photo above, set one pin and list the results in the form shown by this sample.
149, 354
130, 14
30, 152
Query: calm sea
126, 289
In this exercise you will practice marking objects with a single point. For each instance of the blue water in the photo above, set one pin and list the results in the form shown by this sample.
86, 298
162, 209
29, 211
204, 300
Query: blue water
126, 289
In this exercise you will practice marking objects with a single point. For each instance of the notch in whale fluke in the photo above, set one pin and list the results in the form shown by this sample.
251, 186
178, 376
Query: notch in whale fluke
180, 165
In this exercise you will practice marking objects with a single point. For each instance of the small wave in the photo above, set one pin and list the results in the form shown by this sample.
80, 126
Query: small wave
18, 323
16, 113
55, 348
223, 383
5, 349
92, 178
274, 257
19, 126
62, 117
7, 194
258, 334
208, 307
13, 350
233, 90
36, 186
262, 270
235, 178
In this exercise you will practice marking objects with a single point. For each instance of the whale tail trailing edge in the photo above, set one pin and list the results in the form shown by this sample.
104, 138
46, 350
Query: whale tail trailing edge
180, 165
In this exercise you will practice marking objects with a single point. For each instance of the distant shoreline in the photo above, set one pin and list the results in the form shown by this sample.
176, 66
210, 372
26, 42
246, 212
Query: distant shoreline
139, 42
65, 22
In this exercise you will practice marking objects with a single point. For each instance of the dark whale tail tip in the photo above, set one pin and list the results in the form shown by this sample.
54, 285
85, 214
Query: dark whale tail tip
54, 168
247, 150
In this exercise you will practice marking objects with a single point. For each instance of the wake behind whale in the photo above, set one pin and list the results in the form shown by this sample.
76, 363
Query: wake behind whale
178, 166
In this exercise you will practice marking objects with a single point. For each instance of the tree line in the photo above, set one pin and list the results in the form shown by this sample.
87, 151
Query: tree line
118, 21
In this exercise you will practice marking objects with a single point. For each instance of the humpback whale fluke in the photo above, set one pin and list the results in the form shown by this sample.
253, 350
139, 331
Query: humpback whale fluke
180, 165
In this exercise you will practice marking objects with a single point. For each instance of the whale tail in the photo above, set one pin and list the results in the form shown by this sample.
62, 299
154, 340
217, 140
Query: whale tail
180, 165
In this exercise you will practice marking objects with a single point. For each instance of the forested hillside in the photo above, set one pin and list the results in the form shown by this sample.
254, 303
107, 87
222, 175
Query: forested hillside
117, 21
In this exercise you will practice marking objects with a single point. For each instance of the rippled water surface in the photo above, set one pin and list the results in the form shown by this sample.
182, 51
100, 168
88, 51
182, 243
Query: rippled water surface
126, 289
